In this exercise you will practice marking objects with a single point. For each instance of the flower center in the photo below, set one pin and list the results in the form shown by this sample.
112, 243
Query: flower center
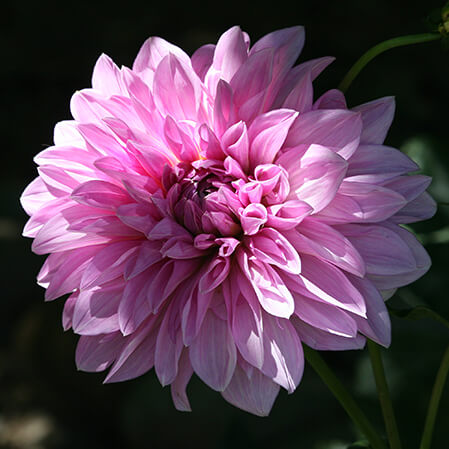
206, 197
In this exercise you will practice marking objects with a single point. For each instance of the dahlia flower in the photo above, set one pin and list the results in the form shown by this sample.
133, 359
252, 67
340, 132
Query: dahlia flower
206, 215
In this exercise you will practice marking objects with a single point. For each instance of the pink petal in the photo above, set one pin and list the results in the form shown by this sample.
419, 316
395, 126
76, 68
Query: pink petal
106, 77
410, 187
100, 194
325, 317
109, 263
169, 276
35, 196
332, 99
359, 202
67, 313
95, 311
252, 218
136, 356
255, 394
287, 215
213, 354
270, 246
68, 275
66, 133
134, 307
168, 352
215, 274
247, 330
316, 176
193, 313
251, 80
422, 262
141, 217
95, 353
178, 386
202, 60
230, 53
288, 44
296, 76
267, 134
377, 116
43, 215
179, 142
153, 51
147, 254
235, 143
421, 208
381, 160
270, 289
301, 97
377, 325
286, 351
322, 281
383, 251
176, 88
224, 108
338, 129
325, 242
323, 341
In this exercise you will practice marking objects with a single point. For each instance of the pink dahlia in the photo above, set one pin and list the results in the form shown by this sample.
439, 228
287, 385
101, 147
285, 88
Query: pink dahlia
206, 215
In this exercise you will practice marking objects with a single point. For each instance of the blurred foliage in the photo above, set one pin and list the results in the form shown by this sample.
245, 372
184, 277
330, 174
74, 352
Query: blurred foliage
48, 50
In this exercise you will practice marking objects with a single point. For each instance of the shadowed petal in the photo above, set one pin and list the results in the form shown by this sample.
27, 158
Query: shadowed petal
213, 354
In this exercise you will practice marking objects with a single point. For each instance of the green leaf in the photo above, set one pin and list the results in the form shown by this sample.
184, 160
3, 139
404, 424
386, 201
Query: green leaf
418, 312
362, 444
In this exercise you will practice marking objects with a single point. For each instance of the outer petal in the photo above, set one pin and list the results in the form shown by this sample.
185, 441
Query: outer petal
325, 317
322, 281
177, 89
213, 354
383, 251
96, 353
95, 311
136, 356
337, 129
153, 51
380, 160
421, 208
254, 394
358, 202
230, 53
422, 263
323, 241
323, 341
168, 350
106, 77
377, 326
35, 196
377, 116
202, 60
178, 386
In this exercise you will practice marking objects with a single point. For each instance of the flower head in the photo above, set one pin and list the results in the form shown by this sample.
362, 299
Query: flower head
207, 215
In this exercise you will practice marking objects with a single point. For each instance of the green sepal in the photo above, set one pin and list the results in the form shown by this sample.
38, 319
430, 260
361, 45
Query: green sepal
417, 313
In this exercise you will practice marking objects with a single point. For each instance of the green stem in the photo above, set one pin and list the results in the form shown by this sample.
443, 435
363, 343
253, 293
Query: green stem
380, 48
384, 395
344, 397
435, 401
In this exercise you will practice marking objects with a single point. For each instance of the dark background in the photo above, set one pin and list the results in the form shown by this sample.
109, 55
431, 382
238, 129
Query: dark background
48, 50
